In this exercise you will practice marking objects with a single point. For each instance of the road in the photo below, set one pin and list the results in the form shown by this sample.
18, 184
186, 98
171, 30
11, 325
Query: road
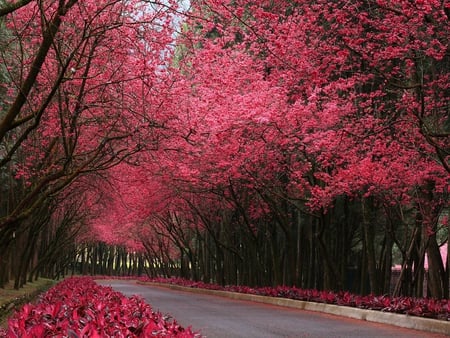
218, 317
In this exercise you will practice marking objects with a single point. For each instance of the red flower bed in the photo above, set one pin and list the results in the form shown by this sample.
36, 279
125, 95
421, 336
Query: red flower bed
78, 307
422, 307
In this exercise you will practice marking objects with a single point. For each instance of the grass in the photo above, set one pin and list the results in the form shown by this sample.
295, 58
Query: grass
11, 299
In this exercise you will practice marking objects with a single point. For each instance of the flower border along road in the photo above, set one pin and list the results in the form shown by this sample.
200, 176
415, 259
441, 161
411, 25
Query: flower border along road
400, 320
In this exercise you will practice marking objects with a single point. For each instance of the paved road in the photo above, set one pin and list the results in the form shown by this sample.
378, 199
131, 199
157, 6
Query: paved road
218, 317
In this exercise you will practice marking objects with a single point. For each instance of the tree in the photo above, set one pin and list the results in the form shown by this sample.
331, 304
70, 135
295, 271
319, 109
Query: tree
281, 142
321, 102
85, 86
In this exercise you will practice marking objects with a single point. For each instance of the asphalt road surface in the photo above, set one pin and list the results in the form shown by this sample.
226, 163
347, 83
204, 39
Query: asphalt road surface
218, 317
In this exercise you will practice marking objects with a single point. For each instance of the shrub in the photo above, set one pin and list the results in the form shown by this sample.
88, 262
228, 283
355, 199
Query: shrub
423, 307
78, 307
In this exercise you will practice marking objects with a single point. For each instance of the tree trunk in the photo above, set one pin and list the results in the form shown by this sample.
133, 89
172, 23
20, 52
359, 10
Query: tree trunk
369, 239
436, 271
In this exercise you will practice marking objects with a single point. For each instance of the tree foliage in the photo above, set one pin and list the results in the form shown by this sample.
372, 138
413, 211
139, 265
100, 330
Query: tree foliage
265, 143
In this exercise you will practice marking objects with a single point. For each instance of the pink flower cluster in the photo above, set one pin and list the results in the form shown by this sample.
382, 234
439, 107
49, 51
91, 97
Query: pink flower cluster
78, 307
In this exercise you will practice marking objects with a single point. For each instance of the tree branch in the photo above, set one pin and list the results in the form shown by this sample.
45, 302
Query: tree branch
10, 7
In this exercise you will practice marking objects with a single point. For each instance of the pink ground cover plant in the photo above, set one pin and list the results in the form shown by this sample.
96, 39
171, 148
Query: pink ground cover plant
79, 307
422, 307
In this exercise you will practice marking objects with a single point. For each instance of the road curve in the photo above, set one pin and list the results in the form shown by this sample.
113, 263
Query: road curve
218, 317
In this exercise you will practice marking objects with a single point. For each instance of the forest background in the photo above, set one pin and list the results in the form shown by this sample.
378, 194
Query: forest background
238, 142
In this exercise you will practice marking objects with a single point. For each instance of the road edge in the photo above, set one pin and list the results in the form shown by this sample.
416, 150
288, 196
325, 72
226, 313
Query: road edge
395, 319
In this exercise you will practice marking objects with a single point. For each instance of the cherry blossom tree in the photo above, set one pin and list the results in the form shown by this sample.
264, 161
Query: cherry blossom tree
266, 142
307, 103
83, 88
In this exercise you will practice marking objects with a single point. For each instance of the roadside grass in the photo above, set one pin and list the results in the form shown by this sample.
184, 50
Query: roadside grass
11, 299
